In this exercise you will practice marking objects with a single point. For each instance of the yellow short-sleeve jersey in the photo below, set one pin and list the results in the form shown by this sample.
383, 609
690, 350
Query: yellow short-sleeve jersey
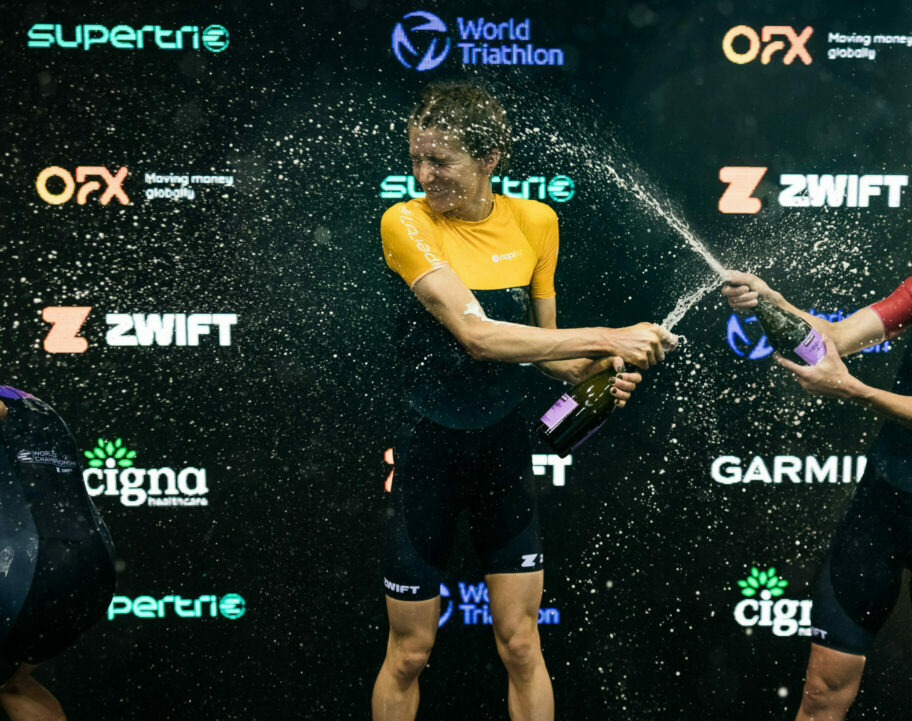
516, 245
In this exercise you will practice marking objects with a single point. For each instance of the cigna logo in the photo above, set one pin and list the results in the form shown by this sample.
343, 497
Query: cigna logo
764, 606
135, 329
124, 37
810, 190
112, 472
559, 188
66, 184
749, 44
231, 606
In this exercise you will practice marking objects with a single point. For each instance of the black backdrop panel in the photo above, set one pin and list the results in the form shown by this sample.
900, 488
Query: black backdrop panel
237, 382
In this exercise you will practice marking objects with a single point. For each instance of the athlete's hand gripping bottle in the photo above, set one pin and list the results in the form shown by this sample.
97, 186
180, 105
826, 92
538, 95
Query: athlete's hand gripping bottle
579, 413
792, 336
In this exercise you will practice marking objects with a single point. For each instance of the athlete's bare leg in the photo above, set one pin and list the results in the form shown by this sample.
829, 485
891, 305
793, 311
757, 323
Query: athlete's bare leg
24, 699
413, 628
831, 684
515, 598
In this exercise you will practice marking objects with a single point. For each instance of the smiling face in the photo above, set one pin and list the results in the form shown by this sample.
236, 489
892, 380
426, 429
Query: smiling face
456, 183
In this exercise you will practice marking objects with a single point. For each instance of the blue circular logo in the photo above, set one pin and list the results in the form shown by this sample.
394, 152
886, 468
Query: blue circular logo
561, 188
741, 342
445, 616
428, 27
215, 38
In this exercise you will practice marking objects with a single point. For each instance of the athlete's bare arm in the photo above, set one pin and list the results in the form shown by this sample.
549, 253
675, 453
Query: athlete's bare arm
579, 369
829, 377
446, 297
850, 335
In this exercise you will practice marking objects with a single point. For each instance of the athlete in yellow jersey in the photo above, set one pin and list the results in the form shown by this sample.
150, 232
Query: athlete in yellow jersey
481, 267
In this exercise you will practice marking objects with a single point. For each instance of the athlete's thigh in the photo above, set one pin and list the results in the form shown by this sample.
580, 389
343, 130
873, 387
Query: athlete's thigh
514, 599
413, 622
503, 511
859, 583
422, 512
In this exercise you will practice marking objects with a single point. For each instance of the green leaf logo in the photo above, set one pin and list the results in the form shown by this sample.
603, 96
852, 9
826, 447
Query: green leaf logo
766, 583
110, 454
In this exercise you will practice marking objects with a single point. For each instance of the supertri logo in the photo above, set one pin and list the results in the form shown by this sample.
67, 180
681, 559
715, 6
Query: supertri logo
213, 38
559, 188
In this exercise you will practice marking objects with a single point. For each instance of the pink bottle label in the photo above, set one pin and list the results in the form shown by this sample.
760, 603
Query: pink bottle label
812, 349
560, 410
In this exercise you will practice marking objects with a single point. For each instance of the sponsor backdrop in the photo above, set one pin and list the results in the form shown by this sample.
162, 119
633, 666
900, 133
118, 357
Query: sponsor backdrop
194, 279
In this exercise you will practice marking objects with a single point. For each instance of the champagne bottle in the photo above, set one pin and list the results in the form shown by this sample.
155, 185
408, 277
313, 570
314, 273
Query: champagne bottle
792, 336
579, 413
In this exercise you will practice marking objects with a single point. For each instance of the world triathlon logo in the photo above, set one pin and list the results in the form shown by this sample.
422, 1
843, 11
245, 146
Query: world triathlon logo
423, 27
742, 342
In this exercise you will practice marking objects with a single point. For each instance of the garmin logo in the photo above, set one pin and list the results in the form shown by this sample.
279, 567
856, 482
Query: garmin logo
729, 470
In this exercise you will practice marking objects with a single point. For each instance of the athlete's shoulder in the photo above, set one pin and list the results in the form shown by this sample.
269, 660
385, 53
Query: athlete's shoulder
531, 213
416, 208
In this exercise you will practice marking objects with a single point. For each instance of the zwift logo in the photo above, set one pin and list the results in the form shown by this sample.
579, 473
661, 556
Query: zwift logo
134, 329
419, 42
474, 607
111, 472
540, 463
809, 190
785, 616
559, 188
746, 339
231, 606
124, 37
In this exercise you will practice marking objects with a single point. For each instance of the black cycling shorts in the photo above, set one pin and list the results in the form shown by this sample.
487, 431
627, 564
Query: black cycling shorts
860, 580
439, 472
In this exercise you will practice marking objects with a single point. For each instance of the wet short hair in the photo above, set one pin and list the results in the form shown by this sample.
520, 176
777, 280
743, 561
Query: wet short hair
471, 114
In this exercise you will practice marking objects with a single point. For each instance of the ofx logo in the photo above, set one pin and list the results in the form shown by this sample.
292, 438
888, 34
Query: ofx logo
113, 183
134, 329
796, 49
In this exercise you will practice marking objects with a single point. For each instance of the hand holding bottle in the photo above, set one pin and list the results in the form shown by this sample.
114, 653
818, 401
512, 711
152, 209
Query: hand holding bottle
829, 377
642, 345
625, 382
744, 289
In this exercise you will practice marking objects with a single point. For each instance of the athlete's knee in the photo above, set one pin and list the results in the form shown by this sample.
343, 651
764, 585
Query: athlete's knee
519, 645
407, 657
823, 691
